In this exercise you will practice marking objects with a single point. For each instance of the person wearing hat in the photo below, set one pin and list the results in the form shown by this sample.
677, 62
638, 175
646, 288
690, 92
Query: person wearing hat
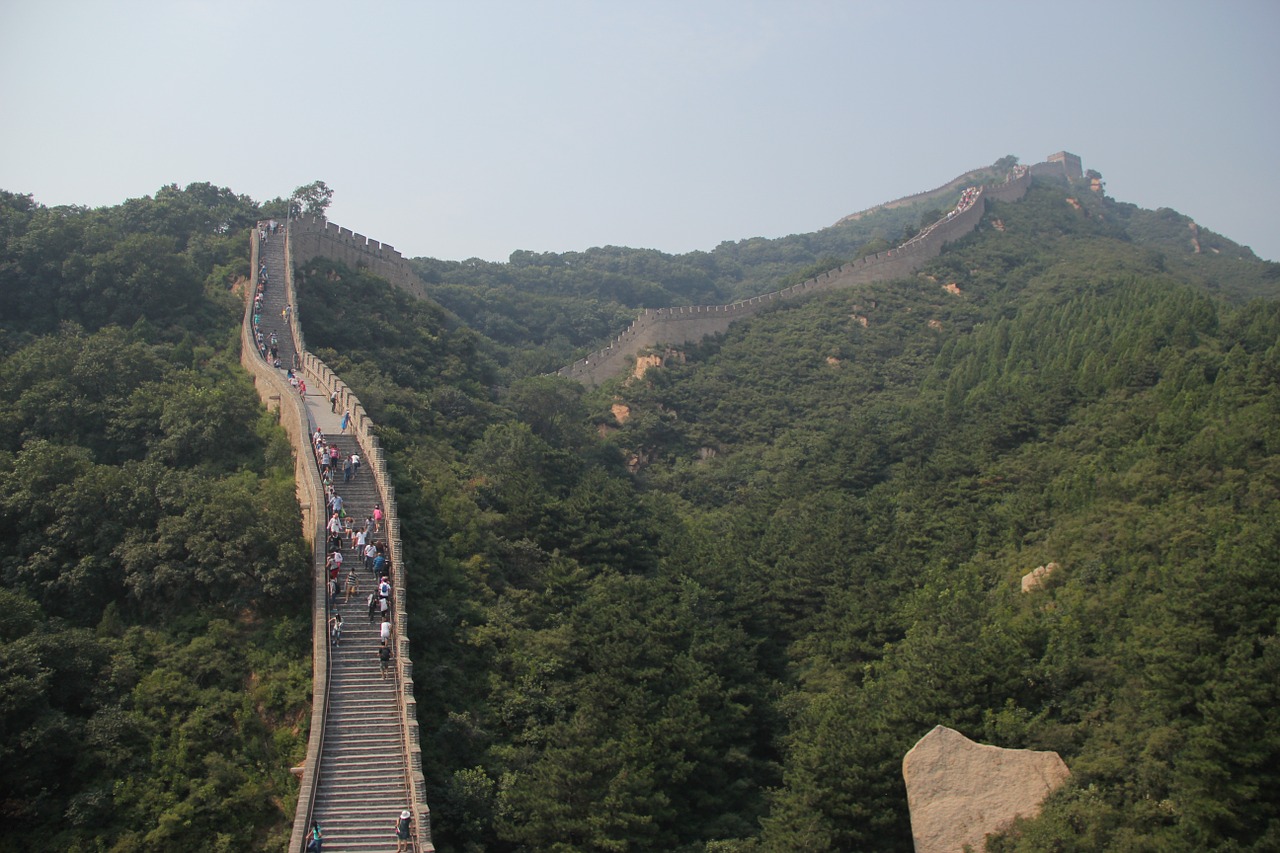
402, 832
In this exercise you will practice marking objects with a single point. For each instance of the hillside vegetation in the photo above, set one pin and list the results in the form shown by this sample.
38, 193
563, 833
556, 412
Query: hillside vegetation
705, 610
154, 643
711, 609
552, 308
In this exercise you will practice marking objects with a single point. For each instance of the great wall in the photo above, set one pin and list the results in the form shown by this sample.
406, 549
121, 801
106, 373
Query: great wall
690, 324
338, 765
364, 757
314, 237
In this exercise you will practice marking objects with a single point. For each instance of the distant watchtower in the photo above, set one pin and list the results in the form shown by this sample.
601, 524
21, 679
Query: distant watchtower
1070, 164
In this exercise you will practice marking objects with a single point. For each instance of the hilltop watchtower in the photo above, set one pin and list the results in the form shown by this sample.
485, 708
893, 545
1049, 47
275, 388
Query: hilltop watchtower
1061, 163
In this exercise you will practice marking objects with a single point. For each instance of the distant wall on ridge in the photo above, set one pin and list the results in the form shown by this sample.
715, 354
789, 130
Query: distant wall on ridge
1060, 164
690, 324
956, 184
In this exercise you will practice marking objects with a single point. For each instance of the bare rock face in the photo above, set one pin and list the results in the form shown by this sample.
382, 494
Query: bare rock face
1037, 576
644, 362
960, 791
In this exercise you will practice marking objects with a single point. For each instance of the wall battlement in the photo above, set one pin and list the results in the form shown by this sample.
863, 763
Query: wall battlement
313, 236
689, 324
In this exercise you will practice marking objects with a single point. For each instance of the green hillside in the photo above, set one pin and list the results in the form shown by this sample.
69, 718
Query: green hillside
552, 308
155, 680
711, 609
707, 610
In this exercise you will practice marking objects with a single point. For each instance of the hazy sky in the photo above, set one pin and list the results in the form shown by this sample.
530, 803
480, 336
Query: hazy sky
472, 129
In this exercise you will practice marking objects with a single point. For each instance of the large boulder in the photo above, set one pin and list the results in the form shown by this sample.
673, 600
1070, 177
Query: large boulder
959, 791
1037, 576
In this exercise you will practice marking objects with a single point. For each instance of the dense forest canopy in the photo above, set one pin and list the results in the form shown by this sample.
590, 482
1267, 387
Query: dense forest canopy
154, 672
708, 609
712, 608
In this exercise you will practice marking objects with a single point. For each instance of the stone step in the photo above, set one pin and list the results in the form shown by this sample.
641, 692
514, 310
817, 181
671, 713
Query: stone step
367, 740
363, 763
379, 781
363, 743
360, 729
348, 716
377, 743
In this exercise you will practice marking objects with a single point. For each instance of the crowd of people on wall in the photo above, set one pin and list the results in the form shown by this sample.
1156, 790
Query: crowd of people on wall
349, 544
967, 199
343, 531
268, 344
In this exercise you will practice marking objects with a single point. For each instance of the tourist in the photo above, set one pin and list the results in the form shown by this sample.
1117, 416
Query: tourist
403, 835
315, 839
384, 658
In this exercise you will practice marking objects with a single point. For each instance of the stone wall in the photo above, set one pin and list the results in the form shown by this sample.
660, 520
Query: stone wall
1061, 164
973, 176
685, 325
279, 397
312, 237
319, 375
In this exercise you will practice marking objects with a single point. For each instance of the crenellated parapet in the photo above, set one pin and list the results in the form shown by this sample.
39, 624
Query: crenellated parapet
313, 236
690, 324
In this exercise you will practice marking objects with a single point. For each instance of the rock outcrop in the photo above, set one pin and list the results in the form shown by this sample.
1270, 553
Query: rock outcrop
1037, 576
960, 791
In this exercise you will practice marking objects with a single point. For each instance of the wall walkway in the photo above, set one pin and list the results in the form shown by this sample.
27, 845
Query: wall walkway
357, 809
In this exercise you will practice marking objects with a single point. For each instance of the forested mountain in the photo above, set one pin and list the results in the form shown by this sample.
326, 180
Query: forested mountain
549, 308
711, 609
155, 677
552, 308
708, 609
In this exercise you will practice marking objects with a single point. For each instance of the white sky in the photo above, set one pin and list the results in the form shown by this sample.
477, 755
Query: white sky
472, 129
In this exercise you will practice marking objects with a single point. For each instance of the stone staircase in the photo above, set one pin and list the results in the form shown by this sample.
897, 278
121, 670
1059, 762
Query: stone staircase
362, 786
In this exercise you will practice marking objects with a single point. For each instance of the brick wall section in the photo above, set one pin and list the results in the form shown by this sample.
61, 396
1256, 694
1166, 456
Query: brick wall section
312, 237
1059, 165
685, 325
277, 395
973, 176
319, 375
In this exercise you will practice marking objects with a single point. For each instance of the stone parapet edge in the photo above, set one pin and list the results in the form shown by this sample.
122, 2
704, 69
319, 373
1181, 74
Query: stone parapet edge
278, 396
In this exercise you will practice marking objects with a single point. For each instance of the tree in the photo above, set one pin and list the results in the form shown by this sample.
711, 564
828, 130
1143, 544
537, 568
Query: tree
312, 199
